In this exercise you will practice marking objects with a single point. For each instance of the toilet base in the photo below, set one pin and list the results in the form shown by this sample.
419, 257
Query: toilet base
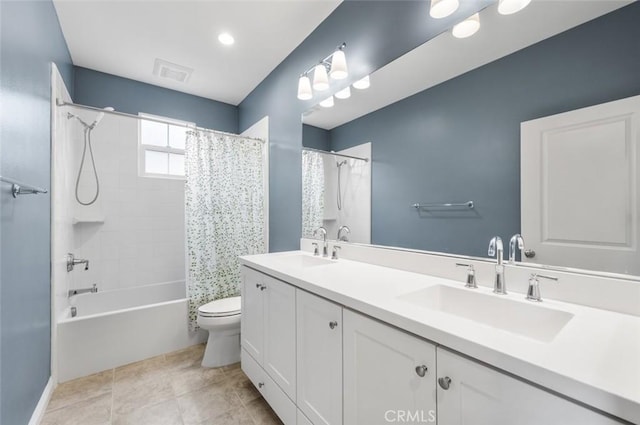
223, 348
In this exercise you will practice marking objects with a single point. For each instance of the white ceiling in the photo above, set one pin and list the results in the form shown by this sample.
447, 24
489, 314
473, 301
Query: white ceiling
125, 37
445, 57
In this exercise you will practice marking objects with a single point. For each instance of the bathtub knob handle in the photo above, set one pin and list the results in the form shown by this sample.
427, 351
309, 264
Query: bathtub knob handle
260, 384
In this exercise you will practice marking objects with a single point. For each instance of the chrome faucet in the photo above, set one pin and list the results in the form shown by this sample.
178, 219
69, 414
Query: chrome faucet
496, 248
72, 261
93, 290
344, 238
516, 242
325, 248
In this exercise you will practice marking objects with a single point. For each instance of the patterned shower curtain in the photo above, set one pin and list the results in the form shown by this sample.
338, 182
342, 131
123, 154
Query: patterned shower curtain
224, 196
312, 192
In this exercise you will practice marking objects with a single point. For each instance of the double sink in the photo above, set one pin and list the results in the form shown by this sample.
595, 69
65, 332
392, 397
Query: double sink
523, 318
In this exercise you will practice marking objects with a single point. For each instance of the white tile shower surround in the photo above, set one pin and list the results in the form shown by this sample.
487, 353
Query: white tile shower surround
142, 238
356, 195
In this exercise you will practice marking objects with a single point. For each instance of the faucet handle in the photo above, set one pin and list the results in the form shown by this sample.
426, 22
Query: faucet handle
315, 248
471, 275
334, 254
533, 291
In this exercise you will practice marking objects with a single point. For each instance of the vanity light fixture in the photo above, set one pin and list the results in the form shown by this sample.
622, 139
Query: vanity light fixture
345, 93
333, 66
363, 83
320, 78
508, 7
327, 103
468, 27
443, 8
304, 88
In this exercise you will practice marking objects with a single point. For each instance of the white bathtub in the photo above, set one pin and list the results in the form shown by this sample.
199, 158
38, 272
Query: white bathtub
114, 328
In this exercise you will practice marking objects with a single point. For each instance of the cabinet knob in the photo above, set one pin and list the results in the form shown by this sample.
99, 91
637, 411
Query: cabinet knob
263, 287
445, 382
421, 370
529, 253
258, 285
260, 384
333, 324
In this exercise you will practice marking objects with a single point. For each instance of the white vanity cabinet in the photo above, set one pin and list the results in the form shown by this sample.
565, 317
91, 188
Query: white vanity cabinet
268, 339
319, 332
388, 374
471, 393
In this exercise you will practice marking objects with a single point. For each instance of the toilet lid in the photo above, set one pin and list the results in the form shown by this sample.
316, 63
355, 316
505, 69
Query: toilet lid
220, 308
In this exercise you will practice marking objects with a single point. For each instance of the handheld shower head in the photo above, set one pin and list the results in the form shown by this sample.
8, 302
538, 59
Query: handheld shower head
101, 115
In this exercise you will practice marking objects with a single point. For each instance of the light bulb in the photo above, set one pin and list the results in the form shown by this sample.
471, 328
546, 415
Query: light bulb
327, 103
320, 78
507, 7
304, 88
467, 28
362, 83
443, 8
338, 66
345, 93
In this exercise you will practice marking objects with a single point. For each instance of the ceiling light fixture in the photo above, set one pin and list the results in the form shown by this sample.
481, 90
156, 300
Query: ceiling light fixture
443, 8
345, 93
468, 27
327, 103
363, 83
334, 66
226, 39
508, 7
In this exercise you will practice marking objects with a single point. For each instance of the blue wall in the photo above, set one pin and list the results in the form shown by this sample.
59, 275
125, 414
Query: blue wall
98, 89
30, 39
460, 140
376, 32
316, 138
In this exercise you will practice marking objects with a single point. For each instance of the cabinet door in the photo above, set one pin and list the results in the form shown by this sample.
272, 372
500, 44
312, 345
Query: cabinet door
280, 334
319, 335
389, 375
252, 319
479, 395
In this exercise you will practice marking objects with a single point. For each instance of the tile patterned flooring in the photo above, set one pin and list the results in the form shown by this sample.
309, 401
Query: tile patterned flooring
171, 389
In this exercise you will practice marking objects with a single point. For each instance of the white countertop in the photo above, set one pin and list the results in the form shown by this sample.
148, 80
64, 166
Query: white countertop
595, 358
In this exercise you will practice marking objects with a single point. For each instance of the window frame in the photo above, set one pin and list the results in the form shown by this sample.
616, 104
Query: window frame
143, 148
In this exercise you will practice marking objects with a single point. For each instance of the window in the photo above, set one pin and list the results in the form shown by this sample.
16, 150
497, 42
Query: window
161, 152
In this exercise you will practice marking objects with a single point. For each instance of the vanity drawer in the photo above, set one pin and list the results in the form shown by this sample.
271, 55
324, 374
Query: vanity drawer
272, 393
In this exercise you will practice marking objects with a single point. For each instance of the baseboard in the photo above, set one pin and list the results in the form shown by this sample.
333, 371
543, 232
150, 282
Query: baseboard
41, 407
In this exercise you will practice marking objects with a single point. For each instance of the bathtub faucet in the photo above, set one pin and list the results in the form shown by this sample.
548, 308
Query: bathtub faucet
72, 261
93, 290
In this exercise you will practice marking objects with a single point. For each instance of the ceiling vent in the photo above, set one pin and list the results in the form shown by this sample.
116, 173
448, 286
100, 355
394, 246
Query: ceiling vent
171, 71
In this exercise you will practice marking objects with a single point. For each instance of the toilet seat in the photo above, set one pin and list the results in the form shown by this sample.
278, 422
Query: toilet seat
225, 307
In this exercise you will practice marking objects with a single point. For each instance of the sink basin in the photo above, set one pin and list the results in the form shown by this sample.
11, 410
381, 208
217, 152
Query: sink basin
304, 261
529, 320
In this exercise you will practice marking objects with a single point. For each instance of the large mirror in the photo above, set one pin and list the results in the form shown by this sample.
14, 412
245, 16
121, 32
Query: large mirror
529, 127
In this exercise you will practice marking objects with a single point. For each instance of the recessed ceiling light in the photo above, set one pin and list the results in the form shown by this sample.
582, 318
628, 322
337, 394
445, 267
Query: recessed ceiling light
226, 39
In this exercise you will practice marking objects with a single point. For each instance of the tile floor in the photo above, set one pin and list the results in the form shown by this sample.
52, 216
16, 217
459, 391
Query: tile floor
171, 389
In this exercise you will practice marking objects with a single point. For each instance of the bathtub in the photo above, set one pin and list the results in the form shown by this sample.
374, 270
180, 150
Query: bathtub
114, 328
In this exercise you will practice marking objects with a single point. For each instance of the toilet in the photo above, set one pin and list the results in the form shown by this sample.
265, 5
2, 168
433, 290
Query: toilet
221, 318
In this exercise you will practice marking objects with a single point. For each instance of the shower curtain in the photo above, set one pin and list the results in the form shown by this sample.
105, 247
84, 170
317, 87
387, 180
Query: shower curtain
312, 192
224, 196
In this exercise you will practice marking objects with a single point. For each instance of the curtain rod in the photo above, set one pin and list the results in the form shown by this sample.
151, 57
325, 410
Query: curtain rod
335, 153
158, 120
